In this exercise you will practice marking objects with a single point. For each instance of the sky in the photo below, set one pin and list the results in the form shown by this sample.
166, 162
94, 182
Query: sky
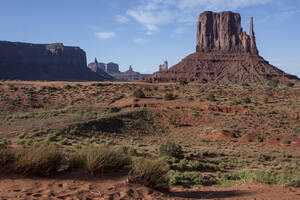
144, 33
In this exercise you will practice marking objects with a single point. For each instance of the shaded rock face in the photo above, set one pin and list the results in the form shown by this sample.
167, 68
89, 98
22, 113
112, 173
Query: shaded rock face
224, 54
53, 62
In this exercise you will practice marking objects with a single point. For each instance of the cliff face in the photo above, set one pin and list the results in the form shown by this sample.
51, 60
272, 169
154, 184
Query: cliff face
222, 32
53, 62
224, 54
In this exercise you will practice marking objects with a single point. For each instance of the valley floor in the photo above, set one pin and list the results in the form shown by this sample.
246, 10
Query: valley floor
238, 141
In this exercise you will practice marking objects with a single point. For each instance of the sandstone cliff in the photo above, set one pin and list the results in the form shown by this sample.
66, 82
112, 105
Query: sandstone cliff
224, 54
53, 62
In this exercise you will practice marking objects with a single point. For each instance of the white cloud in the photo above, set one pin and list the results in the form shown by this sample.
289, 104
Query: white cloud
121, 19
139, 40
152, 14
105, 35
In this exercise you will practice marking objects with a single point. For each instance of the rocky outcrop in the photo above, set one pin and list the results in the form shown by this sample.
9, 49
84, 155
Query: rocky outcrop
224, 54
129, 75
101, 69
112, 69
108, 68
52, 62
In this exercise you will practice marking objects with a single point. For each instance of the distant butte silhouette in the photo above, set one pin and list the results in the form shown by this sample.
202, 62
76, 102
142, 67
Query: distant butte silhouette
224, 54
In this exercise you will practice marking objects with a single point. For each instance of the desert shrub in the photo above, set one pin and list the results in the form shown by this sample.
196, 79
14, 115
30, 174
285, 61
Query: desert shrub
182, 82
100, 158
171, 149
128, 150
197, 165
45, 160
266, 177
67, 87
295, 181
247, 100
183, 164
286, 142
6, 157
75, 160
169, 96
138, 93
274, 83
151, 173
290, 84
211, 97
4, 143
190, 178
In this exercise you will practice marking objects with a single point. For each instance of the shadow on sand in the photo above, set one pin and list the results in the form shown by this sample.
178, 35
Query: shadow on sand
207, 194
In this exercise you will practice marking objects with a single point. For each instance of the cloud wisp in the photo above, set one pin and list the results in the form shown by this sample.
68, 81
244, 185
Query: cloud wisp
122, 19
105, 35
152, 14
139, 40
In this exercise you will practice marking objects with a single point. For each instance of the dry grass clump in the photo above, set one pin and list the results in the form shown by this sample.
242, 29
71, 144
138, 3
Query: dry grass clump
100, 158
44, 160
151, 173
7, 157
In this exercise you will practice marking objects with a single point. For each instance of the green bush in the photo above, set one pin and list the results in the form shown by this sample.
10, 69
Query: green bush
169, 96
190, 178
100, 158
211, 97
151, 173
197, 165
183, 164
247, 100
182, 82
290, 84
171, 149
44, 160
138, 93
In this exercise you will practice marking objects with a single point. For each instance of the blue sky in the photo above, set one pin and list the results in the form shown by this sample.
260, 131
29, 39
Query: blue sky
144, 33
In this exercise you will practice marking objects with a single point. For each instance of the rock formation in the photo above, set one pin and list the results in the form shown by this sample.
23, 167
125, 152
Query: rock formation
163, 67
102, 69
129, 75
112, 69
52, 62
224, 54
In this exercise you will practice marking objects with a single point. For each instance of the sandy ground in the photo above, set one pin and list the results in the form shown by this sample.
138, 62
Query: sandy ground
78, 185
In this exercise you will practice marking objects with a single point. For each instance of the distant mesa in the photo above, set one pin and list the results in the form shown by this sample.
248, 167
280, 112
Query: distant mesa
52, 62
112, 69
224, 54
